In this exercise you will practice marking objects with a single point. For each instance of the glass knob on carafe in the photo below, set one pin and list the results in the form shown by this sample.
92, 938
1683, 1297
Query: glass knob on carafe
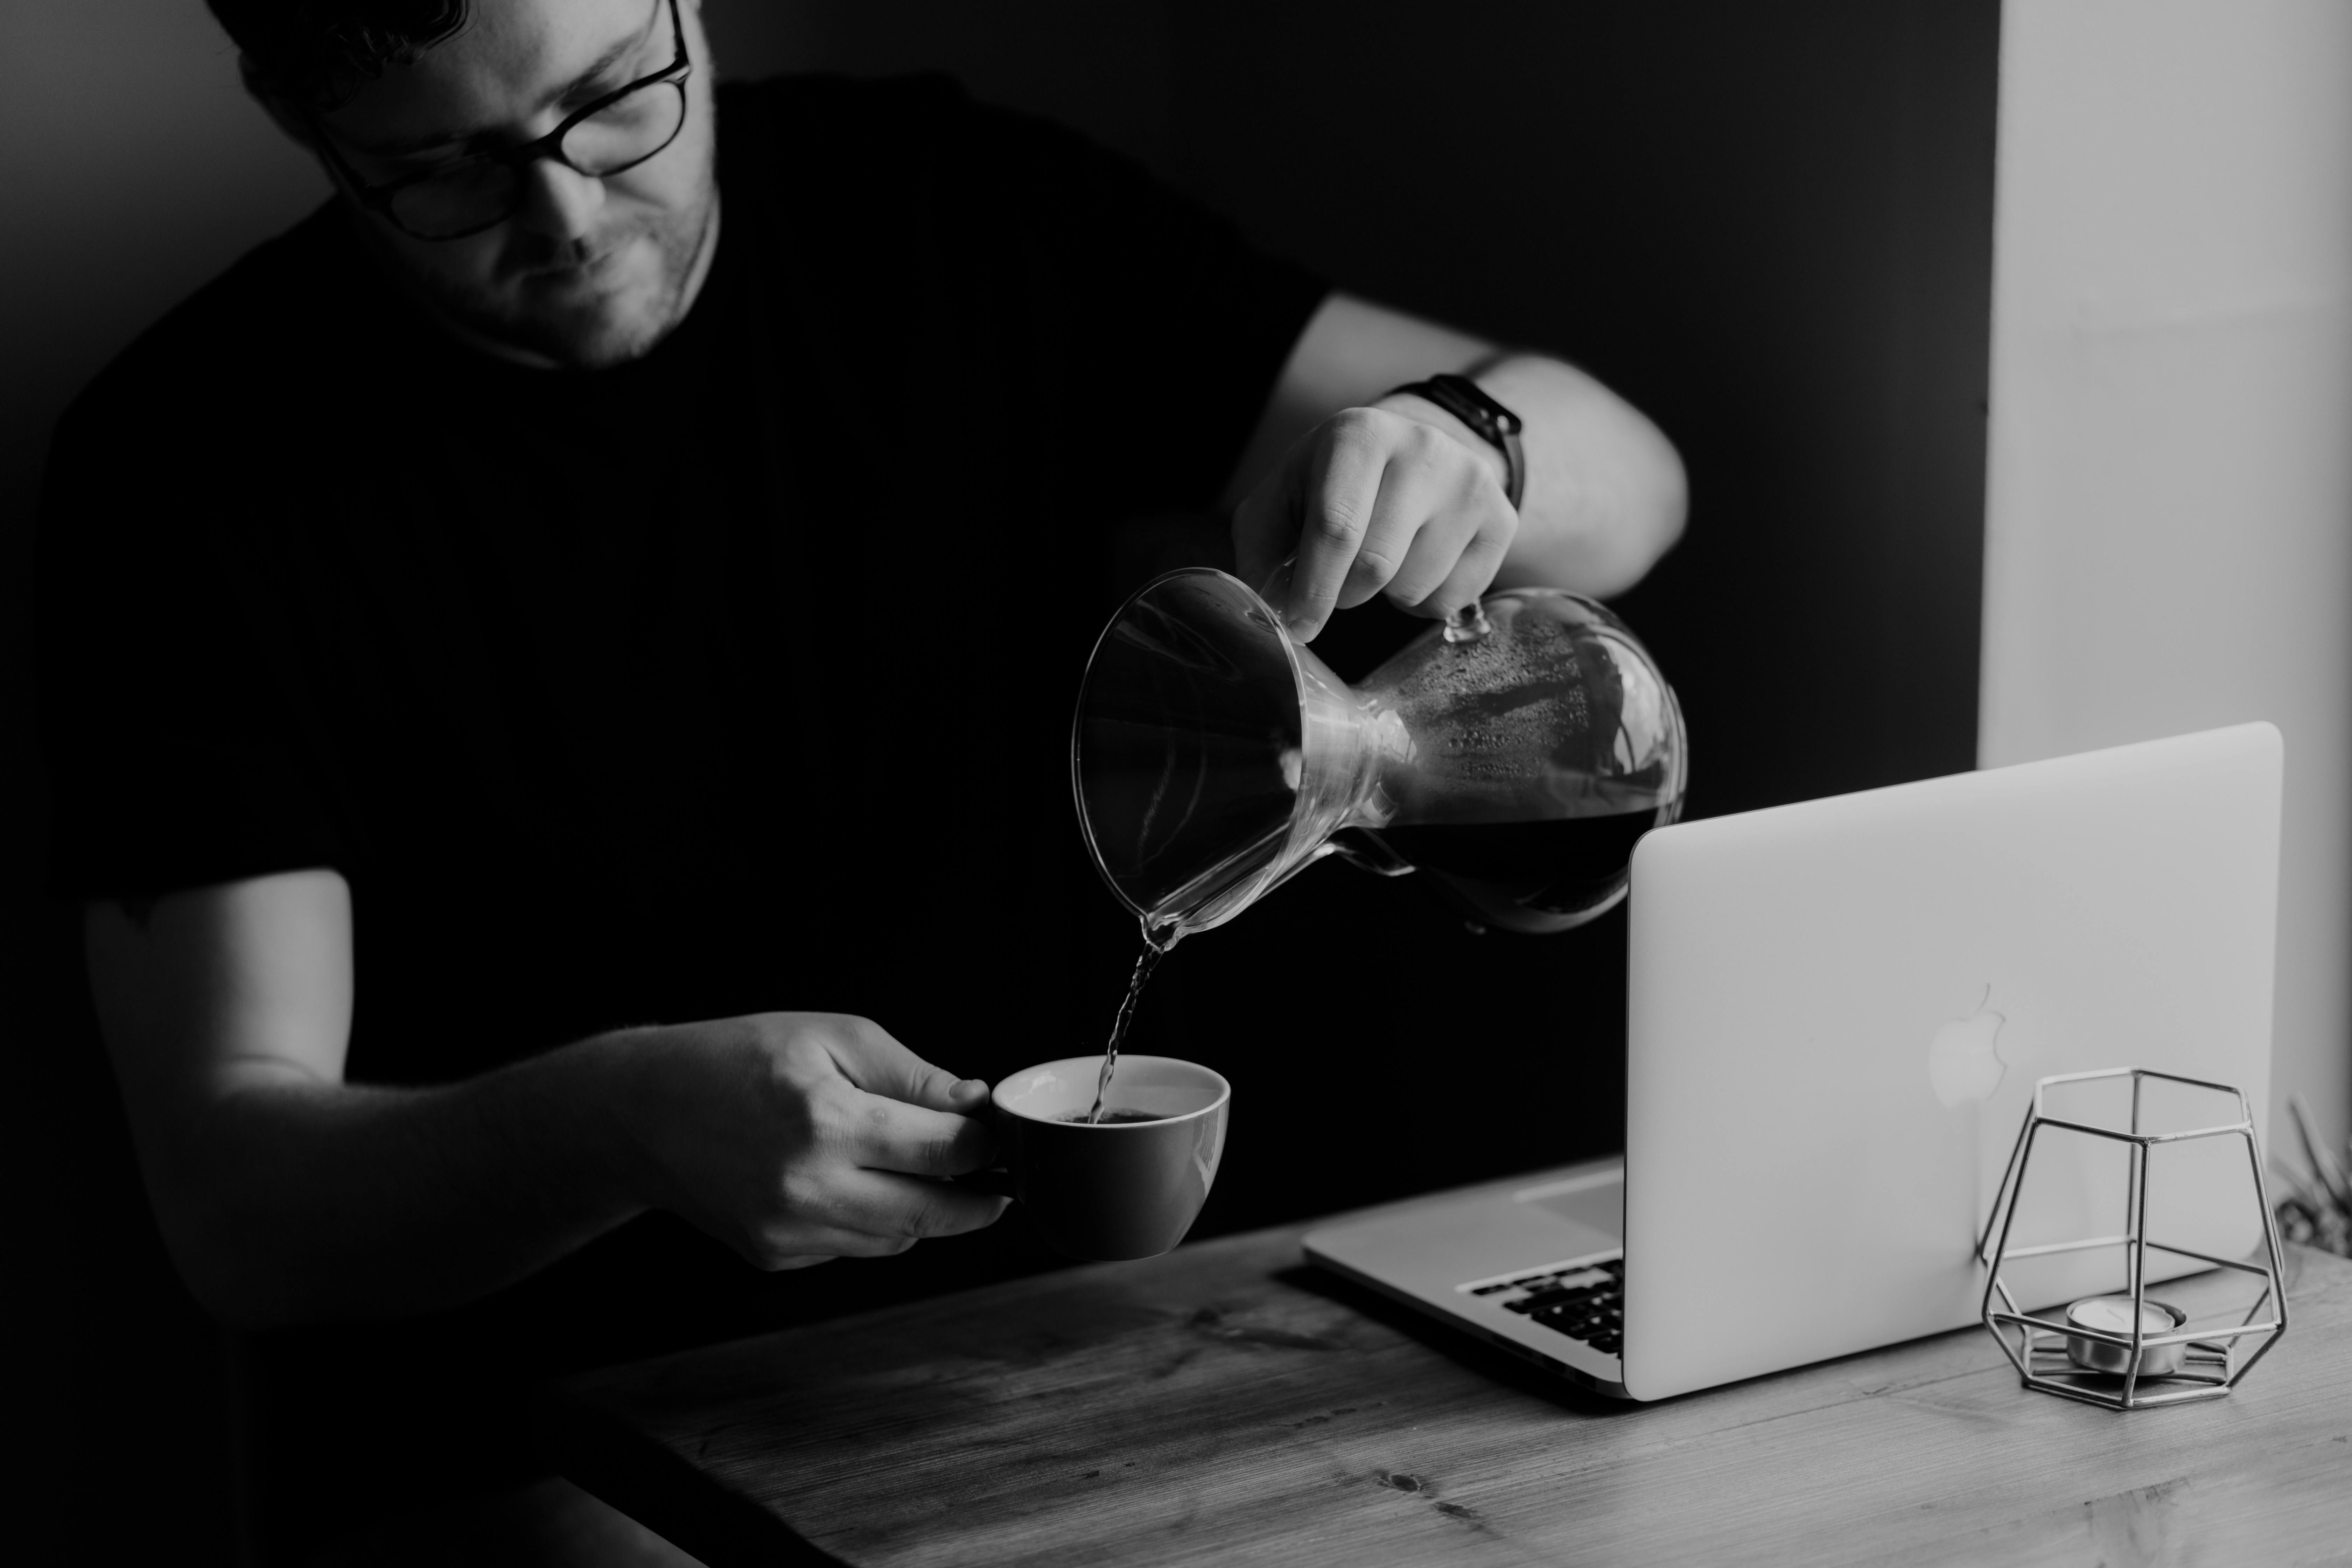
1468, 624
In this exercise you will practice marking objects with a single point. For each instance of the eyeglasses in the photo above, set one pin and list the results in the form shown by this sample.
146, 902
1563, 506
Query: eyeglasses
619, 130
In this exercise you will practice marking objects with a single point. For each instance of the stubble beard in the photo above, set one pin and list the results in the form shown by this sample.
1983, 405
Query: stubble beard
532, 305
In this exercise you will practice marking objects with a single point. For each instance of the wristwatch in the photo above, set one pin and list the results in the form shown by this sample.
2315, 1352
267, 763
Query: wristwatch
1495, 425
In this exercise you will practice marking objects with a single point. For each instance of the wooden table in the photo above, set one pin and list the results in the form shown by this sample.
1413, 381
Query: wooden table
1227, 1403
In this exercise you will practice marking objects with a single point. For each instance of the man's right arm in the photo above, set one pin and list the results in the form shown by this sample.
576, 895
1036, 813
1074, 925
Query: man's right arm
287, 1194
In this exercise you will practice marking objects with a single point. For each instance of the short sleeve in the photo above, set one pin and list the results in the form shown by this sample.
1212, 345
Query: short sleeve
173, 761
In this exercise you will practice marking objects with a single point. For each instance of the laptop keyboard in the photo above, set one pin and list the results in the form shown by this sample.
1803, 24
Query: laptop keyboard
1586, 1303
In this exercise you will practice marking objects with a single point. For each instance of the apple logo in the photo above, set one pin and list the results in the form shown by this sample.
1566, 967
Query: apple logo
1962, 1063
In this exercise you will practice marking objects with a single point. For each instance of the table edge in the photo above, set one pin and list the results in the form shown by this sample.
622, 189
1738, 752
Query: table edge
685, 1506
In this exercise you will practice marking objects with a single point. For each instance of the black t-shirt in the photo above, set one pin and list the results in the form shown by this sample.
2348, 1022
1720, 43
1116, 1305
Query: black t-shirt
736, 677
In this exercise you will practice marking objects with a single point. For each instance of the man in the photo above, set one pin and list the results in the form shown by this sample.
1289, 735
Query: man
517, 629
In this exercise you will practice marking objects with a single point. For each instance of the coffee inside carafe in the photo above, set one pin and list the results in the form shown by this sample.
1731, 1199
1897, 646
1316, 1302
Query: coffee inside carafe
1510, 874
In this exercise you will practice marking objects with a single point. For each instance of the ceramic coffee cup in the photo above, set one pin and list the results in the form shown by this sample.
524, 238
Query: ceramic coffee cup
1115, 1190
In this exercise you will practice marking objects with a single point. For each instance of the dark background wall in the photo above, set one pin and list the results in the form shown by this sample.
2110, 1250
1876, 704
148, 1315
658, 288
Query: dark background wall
1770, 226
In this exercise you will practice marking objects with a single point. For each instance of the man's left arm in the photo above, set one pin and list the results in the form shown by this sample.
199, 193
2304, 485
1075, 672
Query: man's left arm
1392, 494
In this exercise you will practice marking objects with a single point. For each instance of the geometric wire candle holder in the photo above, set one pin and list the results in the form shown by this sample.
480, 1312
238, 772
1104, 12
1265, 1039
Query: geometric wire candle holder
2091, 1357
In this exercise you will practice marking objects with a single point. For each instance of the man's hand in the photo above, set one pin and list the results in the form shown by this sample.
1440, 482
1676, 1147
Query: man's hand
1400, 499
797, 1137
1385, 494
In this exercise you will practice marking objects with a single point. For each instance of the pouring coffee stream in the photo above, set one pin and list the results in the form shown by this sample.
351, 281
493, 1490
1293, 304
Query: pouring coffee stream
1513, 754
1155, 947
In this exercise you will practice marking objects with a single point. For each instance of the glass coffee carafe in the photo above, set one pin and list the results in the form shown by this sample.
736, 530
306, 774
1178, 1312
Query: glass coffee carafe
1513, 755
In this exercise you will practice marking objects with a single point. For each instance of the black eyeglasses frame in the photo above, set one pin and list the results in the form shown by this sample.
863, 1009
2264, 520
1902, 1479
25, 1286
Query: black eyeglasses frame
378, 199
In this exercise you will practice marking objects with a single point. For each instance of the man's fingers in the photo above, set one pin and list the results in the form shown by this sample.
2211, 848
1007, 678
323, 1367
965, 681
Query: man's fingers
1473, 573
869, 1214
1384, 504
906, 1207
1342, 482
1411, 525
884, 1134
1454, 556
873, 1060
806, 1246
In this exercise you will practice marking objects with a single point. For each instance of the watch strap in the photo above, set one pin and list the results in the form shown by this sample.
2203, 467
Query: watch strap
1495, 424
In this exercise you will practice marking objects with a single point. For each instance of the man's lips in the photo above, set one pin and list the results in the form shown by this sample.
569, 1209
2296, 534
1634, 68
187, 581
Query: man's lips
572, 269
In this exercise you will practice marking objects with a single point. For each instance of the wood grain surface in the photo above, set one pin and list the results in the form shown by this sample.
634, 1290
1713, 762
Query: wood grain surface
1227, 1403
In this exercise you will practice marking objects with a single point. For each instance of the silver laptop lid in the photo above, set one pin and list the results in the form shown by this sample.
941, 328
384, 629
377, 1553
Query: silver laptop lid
1838, 1010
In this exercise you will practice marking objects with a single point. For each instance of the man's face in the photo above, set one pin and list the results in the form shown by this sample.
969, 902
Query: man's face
588, 271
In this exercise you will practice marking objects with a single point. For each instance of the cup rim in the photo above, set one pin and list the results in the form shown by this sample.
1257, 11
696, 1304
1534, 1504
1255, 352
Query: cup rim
1125, 1059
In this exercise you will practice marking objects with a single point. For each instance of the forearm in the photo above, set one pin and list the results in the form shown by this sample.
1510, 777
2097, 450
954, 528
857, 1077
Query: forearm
288, 1199
1605, 494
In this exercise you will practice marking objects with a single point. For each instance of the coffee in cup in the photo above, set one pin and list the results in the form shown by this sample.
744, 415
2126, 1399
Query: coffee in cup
1129, 1185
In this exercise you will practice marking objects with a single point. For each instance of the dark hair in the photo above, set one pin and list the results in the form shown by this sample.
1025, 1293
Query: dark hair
317, 53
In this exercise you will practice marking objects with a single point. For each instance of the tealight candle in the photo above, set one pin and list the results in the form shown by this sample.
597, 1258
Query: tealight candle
2113, 1315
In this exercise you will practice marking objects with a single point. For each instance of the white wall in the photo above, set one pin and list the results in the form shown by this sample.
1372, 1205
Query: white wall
2170, 504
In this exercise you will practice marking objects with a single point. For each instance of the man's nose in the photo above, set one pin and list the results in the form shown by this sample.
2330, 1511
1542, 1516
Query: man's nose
559, 202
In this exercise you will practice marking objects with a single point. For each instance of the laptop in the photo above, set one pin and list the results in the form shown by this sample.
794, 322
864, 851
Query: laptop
1837, 1012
